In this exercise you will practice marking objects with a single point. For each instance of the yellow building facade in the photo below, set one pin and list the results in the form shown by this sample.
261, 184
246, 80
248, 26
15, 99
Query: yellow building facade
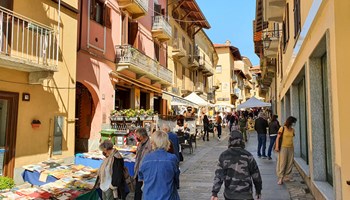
191, 55
304, 70
37, 82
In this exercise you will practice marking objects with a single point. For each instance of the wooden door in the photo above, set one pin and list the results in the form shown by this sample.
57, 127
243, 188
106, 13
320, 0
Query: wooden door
8, 131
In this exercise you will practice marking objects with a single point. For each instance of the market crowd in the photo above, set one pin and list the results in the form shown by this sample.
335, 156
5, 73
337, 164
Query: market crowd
158, 157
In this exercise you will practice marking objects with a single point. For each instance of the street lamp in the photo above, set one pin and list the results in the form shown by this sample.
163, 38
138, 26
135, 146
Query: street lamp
267, 42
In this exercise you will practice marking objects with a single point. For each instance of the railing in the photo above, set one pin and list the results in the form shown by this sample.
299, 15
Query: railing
27, 41
143, 4
178, 46
159, 22
130, 55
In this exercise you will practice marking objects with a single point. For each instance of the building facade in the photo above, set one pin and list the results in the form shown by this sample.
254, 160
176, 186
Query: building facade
37, 82
302, 48
191, 55
122, 51
226, 76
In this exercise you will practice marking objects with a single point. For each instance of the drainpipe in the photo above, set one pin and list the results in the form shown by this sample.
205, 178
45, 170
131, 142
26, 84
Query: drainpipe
58, 30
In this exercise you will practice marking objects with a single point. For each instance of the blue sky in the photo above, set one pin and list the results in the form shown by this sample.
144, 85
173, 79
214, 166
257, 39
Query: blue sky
231, 20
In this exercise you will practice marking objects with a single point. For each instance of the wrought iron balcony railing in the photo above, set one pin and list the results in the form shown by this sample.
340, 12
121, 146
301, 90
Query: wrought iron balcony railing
142, 64
25, 44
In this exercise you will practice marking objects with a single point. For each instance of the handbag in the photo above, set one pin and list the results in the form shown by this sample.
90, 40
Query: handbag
279, 141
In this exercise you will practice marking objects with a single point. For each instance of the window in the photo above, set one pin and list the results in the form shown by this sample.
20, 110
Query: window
326, 118
156, 51
100, 13
218, 69
58, 135
297, 20
304, 151
285, 28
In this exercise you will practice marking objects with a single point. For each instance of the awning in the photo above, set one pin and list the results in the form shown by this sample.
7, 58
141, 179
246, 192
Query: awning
193, 97
176, 100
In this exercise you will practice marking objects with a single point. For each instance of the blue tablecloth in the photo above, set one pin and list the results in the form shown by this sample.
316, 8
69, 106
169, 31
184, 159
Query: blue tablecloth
33, 178
80, 160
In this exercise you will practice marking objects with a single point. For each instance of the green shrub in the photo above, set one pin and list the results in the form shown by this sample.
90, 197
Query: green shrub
6, 183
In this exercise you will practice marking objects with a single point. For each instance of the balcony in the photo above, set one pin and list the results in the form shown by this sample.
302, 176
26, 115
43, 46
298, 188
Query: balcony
271, 43
274, 10
187, 87
161, 29
248, 84
199, 87
193, 62
134, 60
137, 8
178, 49
234, 78
26, 45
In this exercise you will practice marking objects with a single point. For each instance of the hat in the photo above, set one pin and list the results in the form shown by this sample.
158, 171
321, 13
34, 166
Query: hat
235, 134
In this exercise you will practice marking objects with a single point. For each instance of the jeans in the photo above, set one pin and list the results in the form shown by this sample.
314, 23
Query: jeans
219, 130
272, 142
262, 145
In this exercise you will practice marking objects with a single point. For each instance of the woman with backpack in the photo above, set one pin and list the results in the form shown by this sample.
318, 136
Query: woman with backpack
218, 121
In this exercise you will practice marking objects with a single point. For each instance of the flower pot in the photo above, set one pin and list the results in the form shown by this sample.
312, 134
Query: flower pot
36, 125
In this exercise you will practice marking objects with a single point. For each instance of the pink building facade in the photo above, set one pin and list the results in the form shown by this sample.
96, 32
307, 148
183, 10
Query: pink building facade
121, 62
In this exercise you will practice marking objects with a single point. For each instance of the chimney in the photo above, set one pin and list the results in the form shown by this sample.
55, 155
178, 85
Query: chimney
228, 43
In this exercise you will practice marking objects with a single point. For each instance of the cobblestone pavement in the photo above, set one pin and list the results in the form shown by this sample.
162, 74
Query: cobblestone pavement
197, 173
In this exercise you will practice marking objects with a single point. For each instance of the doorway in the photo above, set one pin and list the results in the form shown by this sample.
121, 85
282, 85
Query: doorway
84, 111
8, 132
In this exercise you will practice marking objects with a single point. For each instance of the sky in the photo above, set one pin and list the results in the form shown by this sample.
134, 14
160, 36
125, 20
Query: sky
231, 20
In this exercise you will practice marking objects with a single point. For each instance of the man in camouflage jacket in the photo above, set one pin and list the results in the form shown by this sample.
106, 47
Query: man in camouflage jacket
238, 168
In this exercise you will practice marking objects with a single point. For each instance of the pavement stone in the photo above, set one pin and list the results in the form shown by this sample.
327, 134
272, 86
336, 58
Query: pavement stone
198, 168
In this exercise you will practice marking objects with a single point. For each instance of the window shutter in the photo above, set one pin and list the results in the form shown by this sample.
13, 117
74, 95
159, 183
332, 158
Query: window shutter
107, 17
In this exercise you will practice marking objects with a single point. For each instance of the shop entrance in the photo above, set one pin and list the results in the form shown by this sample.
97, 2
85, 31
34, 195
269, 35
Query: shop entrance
8, 132
84, 111
122, 98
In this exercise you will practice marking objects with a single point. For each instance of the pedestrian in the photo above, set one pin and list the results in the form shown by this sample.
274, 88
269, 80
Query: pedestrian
206, 127
239, 170
218, 121
286, 153
174, 142
111, 173
273, 130
173, 139
143, 149
260, 127
243, 126
159, 170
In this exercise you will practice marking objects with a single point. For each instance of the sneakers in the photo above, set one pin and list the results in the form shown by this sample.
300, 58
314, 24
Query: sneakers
264, 157
269, 158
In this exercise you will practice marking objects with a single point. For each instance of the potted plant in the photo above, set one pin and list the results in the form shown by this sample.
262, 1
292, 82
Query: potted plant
6, 183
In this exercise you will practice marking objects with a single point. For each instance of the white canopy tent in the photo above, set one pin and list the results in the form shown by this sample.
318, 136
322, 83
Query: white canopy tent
224, 104
193, 97
252, 103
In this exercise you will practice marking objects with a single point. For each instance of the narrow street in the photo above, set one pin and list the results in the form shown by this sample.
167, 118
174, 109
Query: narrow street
197, 173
